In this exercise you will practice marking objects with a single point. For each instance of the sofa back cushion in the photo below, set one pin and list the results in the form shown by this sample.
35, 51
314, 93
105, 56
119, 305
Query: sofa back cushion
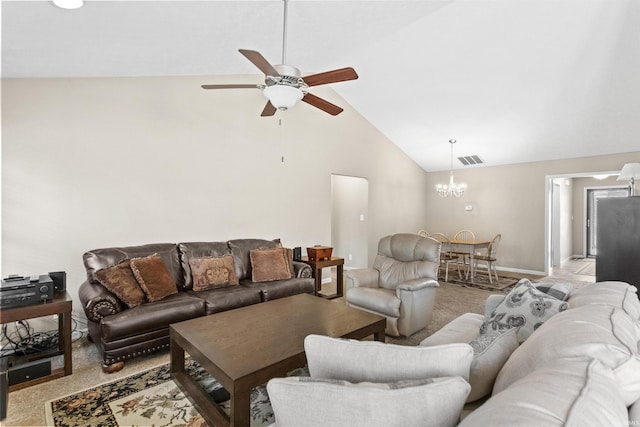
191, 250
241, 250
97, 259
613, 293
569, 392
402, 257
595, 331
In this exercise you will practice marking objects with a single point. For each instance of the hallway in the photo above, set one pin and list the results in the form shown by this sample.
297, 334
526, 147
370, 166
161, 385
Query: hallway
583, 269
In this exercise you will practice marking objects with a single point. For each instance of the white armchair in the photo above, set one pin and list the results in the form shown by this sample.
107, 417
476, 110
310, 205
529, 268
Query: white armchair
402, 284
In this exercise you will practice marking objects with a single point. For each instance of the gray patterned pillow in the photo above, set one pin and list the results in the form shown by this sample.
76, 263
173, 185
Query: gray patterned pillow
524, 308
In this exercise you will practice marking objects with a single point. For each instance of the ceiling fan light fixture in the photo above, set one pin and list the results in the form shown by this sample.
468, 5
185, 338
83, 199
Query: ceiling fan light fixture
282, 97
68, 4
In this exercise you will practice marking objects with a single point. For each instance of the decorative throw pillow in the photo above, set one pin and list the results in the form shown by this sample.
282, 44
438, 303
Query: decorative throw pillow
303, 402
120, 281
524, 308
490, 352
212, 272
270, 264
154, 277
358, 361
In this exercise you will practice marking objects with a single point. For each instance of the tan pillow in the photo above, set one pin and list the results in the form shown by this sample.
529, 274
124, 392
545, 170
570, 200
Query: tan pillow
212, 272
154, 277
119, 280
270, 264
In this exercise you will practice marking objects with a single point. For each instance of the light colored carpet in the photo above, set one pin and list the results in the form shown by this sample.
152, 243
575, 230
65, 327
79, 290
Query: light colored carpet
26, 406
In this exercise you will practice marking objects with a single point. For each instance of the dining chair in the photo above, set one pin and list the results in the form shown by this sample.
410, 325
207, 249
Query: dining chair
461, 251
423, 233
489, 257
446, 256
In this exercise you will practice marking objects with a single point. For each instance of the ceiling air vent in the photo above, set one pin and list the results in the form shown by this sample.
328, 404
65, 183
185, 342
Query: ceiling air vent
470, 160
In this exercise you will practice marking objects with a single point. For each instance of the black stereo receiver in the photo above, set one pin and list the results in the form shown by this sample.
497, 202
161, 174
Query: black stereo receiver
17, 291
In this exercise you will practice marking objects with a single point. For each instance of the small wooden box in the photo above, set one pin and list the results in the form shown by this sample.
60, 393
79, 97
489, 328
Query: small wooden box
318, 252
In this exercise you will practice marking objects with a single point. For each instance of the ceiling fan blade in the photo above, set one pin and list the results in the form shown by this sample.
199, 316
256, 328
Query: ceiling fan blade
322, 104
334, 76
231, 86
259, 61
269, 110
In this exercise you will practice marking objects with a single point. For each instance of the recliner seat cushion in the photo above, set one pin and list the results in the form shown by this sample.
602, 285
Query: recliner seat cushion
383, 301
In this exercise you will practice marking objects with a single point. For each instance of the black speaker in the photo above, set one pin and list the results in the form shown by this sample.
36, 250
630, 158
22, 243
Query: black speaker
59, 280
297, 253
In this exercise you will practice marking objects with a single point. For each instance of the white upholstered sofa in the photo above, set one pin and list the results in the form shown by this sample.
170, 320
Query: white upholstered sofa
575, 363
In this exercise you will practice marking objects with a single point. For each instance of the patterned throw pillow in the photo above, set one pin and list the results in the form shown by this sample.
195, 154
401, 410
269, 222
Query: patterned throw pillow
524, 308
120, 281
212, 272
490, 352
271, 264
154, 277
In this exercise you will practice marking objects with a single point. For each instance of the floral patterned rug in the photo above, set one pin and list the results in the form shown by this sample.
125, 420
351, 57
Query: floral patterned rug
149, 398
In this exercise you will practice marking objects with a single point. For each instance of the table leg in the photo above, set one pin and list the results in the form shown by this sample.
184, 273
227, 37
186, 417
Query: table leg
241, 408
339, 280
318, 277
176, 357
64, 344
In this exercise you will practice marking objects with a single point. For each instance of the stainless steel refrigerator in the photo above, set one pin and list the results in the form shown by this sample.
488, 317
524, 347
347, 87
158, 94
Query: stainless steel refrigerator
618, 240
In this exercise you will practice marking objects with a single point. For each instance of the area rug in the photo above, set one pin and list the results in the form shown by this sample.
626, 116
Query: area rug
149, 398
481, 281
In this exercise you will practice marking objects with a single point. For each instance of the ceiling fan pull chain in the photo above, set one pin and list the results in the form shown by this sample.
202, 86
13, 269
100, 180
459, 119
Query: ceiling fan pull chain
280, 113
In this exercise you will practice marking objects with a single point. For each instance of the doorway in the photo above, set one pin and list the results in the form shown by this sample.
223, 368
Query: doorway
349, 217
593, 196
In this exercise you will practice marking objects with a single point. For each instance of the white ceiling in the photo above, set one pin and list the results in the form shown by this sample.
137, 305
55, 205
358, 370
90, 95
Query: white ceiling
512, 80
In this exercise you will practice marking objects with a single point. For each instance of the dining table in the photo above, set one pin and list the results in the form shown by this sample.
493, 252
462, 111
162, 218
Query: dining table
472, 246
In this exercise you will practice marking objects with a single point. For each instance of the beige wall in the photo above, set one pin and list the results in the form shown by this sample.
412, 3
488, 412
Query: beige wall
509, 200
90, 163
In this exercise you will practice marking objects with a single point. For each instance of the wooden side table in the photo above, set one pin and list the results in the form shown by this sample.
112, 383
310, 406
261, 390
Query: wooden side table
60, 305
318, 265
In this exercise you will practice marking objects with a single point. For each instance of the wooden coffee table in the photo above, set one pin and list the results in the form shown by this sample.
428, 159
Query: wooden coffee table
246, 347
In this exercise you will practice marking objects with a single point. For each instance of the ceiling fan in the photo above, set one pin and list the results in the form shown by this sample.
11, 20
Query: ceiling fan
284, 85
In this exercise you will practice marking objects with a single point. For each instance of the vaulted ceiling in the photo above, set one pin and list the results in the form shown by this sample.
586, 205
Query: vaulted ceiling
511, 80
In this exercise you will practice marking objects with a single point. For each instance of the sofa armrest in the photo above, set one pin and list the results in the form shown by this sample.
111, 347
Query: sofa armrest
364, 277
417, 284
302, 270
97, 301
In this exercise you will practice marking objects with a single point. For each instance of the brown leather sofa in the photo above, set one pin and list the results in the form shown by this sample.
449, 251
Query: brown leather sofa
122, 333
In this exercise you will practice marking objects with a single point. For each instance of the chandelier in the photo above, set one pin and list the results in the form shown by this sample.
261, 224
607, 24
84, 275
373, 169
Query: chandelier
452, 189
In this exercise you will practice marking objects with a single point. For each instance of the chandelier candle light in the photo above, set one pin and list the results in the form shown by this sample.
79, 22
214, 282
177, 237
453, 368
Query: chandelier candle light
452, 189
